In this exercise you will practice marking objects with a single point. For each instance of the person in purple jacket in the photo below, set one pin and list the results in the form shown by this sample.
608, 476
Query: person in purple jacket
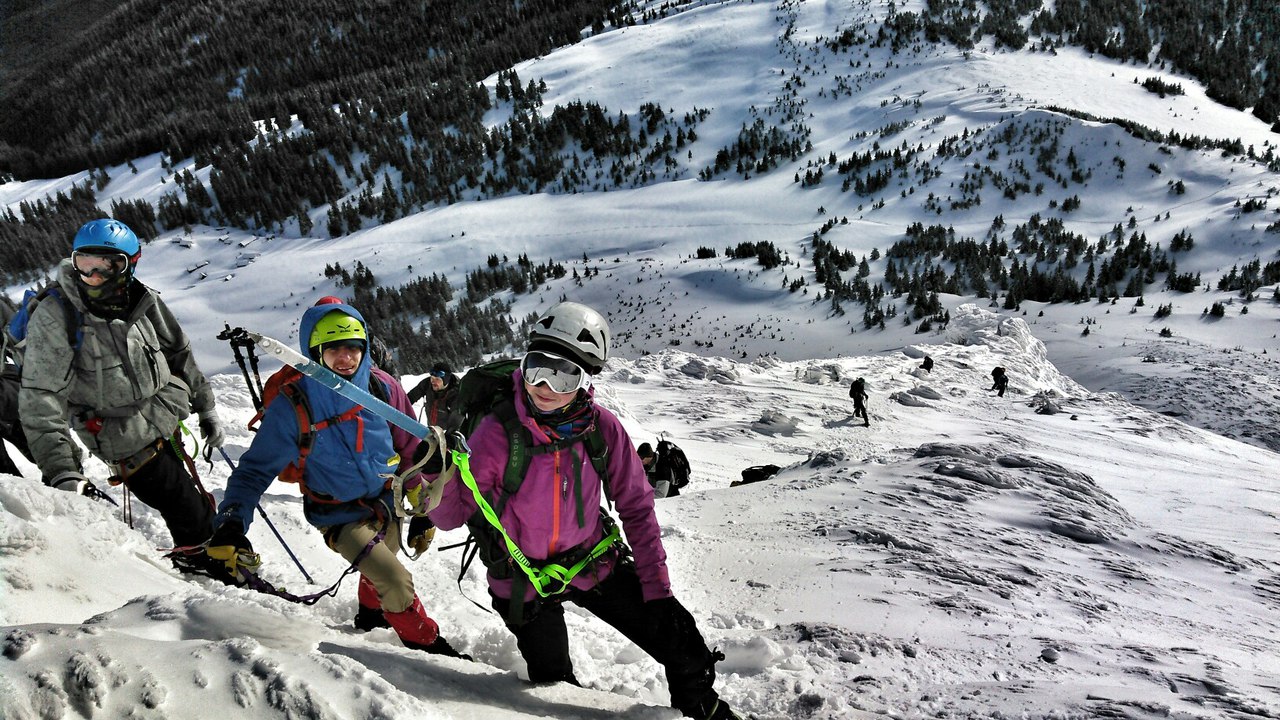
554, 517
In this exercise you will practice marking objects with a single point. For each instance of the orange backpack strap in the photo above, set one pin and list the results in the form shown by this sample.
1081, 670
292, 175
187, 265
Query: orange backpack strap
280, 379
307, 436
285, 382
306, 430
351, 414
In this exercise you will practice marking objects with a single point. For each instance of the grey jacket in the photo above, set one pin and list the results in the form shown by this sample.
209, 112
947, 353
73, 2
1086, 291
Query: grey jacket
138, 375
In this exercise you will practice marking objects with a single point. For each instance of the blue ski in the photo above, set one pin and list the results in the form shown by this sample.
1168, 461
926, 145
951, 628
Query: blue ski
336, 383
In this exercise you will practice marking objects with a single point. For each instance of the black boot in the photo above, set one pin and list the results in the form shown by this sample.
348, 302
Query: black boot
368, 618
439, 647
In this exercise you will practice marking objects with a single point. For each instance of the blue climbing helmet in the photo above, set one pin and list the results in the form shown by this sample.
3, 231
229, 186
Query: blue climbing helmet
105, 234
108, 248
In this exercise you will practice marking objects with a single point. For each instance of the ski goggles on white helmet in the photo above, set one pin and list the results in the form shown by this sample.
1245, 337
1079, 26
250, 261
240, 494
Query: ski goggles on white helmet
557, 373
107, 265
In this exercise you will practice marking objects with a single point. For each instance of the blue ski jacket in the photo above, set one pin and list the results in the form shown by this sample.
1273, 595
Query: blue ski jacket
350, 462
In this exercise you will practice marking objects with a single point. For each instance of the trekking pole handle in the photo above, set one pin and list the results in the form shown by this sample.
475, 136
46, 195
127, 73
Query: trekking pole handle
271, 525
238, 338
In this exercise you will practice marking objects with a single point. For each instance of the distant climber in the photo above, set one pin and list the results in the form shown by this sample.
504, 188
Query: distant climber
858, 391
927, 365
1000, 381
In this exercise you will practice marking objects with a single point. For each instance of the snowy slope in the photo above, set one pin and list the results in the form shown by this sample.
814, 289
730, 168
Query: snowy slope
964, 556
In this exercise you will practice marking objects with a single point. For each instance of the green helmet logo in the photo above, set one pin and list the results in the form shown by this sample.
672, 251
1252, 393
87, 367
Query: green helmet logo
336, 326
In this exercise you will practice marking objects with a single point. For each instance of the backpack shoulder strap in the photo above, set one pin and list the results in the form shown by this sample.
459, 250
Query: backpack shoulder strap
598, 454
306, 430
70, 314
520, 451
379, 389
518, 442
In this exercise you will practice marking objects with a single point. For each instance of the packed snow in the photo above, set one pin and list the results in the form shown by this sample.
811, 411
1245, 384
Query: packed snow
1099, 542
1052, 553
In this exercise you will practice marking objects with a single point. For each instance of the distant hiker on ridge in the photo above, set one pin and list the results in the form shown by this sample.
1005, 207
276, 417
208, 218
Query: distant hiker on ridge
858, 391
1000, 381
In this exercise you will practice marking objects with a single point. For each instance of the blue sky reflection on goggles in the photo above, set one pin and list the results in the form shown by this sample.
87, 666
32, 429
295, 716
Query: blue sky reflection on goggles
557, 373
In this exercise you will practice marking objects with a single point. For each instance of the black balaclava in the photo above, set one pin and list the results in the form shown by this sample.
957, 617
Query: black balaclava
112, 299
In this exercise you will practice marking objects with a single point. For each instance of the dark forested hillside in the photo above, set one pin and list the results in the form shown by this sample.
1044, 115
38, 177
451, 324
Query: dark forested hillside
388, 97
33, 32
143, 76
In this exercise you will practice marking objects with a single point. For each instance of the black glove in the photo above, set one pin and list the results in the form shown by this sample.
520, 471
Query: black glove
228, 529
434, 466
229, 545
421, 533
230, 534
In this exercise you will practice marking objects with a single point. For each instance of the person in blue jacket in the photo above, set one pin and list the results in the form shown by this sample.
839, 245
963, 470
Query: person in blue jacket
345, 479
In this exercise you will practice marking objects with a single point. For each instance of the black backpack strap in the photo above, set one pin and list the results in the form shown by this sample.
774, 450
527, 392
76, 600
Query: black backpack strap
598, 454
379, 389
518, 452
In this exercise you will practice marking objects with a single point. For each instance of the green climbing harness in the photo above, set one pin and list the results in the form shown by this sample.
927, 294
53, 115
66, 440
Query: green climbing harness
552, 578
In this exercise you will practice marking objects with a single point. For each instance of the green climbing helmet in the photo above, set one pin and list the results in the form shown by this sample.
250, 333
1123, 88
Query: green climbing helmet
334, 327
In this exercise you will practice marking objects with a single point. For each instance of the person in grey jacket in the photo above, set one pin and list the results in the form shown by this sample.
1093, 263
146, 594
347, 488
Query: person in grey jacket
123, 385
661, 477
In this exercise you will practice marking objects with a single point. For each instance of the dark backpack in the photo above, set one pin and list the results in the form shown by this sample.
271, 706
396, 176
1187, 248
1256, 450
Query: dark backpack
671, 456
485, 390
755, 474
15, 331
479, 393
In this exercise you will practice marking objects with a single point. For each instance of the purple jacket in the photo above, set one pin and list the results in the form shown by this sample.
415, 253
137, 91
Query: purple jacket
541, 517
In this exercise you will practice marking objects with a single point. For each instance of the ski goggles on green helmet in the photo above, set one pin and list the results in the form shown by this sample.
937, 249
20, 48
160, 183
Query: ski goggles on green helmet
107, 265
350, 344
557, 373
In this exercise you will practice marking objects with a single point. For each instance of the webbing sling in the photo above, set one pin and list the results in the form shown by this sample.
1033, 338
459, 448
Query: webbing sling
248, 562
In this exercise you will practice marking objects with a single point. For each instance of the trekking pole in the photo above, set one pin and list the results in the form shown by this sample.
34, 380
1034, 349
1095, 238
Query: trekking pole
271, 525
235, 337
249, 345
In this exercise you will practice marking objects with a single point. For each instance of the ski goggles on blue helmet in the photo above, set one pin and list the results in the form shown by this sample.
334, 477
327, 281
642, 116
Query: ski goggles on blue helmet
557, 373
107, 264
